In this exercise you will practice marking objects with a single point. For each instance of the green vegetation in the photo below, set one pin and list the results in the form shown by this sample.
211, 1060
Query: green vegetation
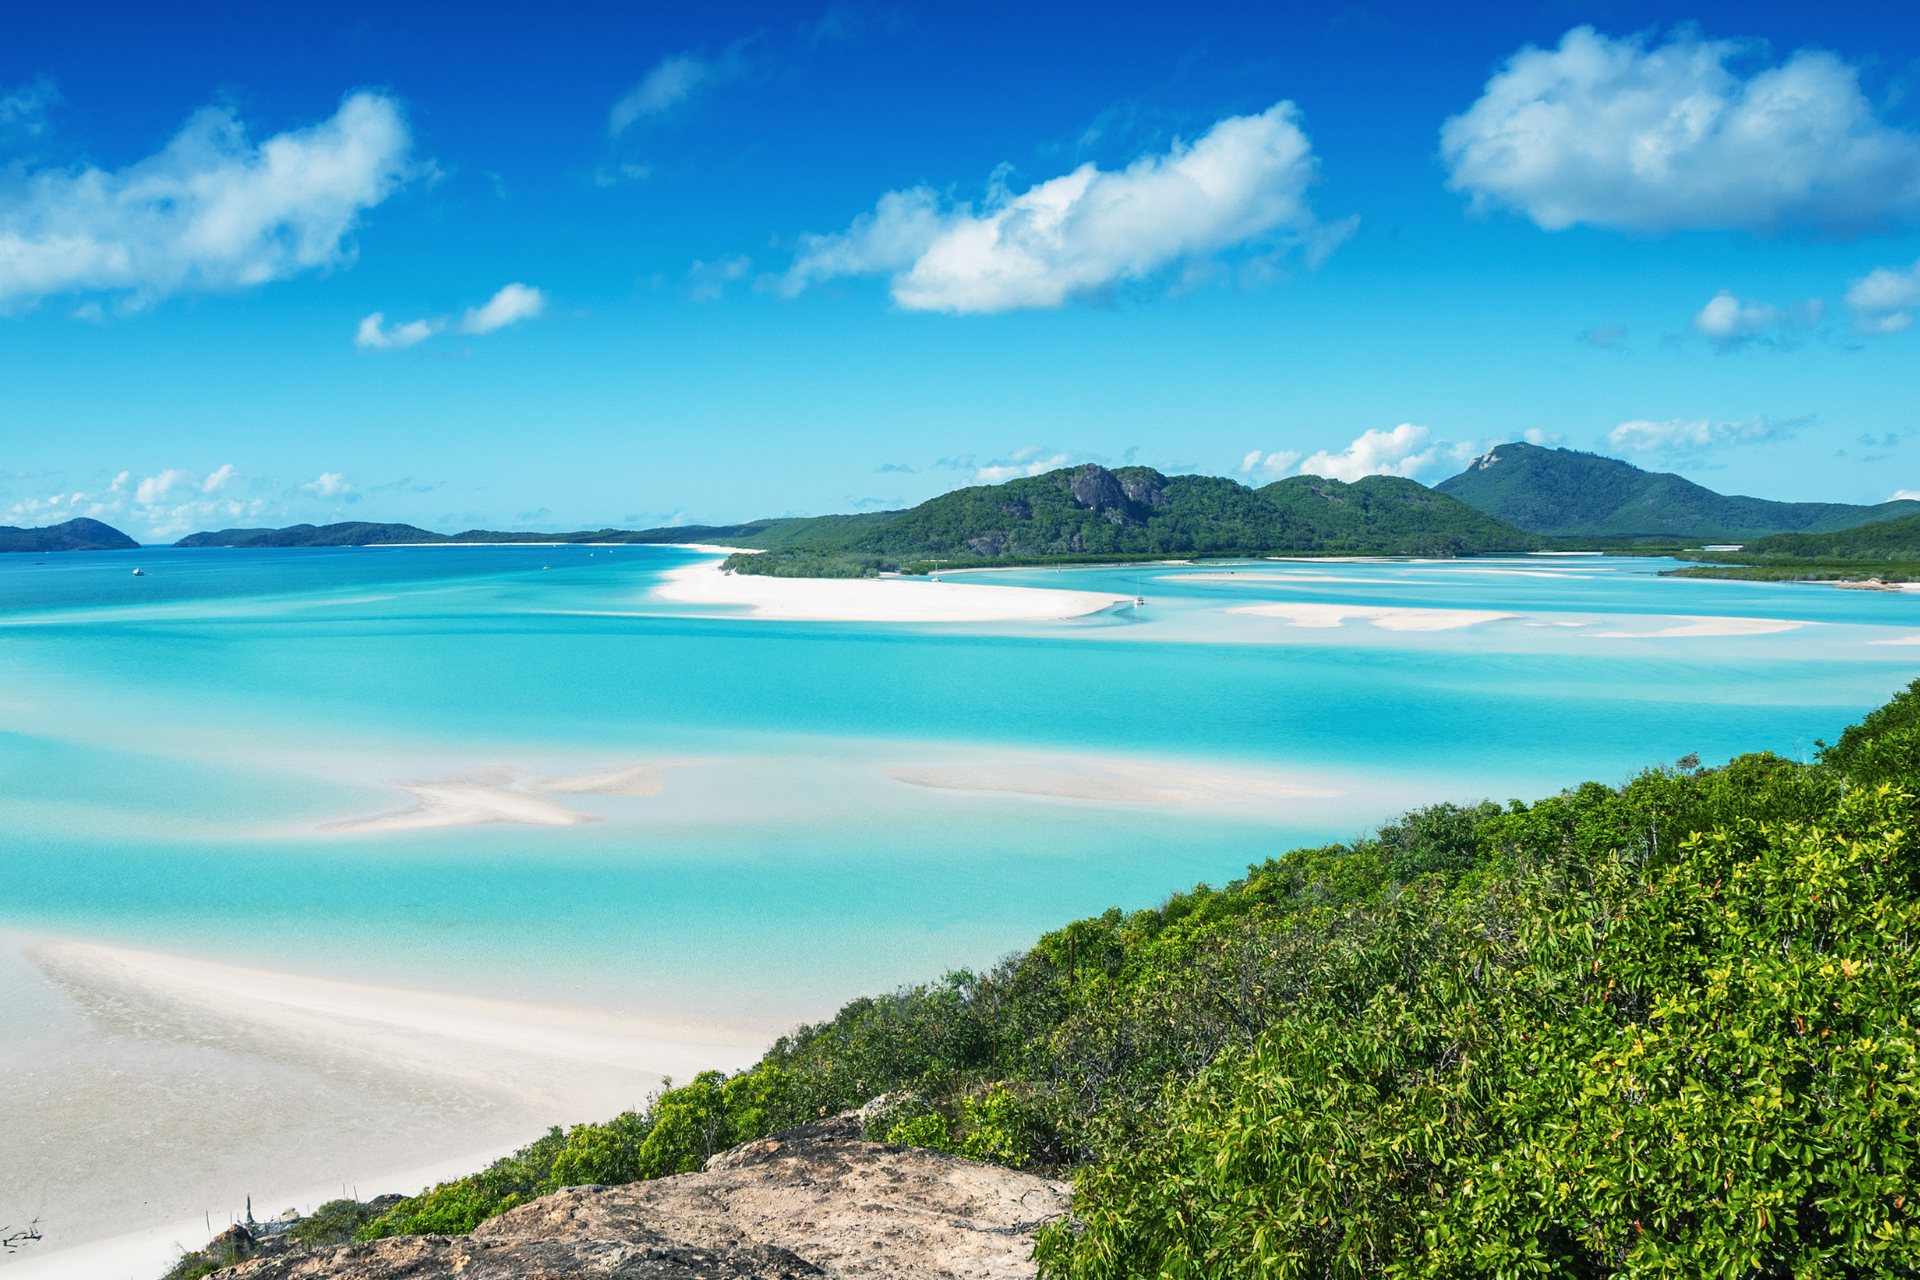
1088, 514
360, 533
73, 535
1582, 495
1667, 1027
1888, 550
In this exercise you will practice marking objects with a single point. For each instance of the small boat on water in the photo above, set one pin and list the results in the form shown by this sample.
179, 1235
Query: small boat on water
1138, 601
139, 573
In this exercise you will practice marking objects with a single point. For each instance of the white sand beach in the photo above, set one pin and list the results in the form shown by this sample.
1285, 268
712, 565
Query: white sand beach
876, 599
161, 1090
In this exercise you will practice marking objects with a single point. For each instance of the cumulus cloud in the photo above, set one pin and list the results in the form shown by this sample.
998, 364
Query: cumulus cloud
1267, 466
1031, 461
1884, 300
1728, 321
1615, 134
375, 335
1241, 185
329, 484
1905, 495
1694, 435
514, 303
210, 211
1406, 450
160, 506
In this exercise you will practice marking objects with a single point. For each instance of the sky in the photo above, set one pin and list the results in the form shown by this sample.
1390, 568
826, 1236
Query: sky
640, 265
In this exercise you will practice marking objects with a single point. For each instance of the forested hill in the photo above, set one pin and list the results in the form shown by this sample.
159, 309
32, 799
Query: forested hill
361, 533
1882, 541
1091, 512
1565, 493
74, 535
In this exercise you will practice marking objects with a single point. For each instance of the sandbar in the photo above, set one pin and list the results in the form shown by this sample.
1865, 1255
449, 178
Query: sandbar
1304, 614
1691, 625
875, 599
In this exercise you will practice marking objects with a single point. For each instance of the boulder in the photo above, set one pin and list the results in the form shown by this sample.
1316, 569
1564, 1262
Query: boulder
813, 1201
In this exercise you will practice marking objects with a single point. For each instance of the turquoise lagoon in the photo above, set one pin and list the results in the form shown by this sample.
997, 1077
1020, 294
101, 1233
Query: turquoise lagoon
172, 747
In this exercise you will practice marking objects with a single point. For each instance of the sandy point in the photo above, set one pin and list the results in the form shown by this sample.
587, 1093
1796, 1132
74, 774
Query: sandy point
875, 599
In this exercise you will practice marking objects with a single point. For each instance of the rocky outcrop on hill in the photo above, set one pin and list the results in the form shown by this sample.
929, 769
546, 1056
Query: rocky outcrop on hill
812, 1201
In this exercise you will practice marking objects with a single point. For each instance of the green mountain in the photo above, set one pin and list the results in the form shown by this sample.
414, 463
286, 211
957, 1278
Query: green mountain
1083, 512
1089, 512
359, 533
1565, 493
74, 535
354, 533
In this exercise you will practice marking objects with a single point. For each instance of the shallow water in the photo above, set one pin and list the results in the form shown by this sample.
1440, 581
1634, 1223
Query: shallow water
174, 743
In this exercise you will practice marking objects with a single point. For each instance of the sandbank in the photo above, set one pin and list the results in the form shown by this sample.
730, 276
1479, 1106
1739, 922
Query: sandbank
1691, 625
511, 795
162, 1090
875, 599
1305, 614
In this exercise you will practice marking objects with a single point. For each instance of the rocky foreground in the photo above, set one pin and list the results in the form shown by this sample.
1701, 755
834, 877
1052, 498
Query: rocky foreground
812, 1201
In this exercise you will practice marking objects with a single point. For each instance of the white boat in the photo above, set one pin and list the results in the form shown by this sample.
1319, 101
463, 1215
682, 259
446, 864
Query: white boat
139, 573
1138, 601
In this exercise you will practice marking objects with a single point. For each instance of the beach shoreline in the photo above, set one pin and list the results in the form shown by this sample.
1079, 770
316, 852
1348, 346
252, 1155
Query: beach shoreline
875, 599
136, 1070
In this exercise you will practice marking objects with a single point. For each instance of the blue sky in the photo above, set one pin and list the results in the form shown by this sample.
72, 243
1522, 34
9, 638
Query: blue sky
641, 265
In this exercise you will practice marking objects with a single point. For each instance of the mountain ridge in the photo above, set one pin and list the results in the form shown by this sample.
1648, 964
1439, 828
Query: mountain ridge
1567, 493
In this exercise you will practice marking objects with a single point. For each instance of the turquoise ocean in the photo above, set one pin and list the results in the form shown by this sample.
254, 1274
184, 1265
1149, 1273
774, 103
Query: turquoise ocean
173, 745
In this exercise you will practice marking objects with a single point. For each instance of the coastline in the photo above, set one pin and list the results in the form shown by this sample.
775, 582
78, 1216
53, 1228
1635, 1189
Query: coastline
875, 599
325, 1083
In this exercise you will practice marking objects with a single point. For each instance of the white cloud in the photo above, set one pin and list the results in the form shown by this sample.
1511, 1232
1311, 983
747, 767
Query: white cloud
1031, 461
1728, 321
514, 303
1274, 464
1614, 134
23, 113
155, 488
1404, 451
666, 86
708, 280
1534, 435
375, 335
1905, 495
1242, 183
1884, 300
1691, 435
209, 211
160, 506
329, 484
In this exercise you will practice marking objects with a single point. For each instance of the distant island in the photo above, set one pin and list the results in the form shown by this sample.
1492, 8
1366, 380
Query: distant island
1514, 498
1567, 494
75, 535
